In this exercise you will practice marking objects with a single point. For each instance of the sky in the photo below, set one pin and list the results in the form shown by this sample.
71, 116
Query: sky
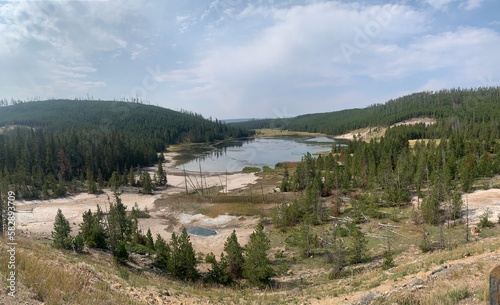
231, 59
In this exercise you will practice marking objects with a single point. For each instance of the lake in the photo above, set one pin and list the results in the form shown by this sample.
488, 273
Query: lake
235, 155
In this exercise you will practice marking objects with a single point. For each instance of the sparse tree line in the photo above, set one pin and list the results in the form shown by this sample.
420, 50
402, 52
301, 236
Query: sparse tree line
117, 230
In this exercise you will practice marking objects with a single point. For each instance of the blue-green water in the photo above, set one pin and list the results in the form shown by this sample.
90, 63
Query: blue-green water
200, 231
234, 156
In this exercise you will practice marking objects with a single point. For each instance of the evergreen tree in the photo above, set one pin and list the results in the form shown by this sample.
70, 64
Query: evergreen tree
358, 245
149, 240
147, 187
337, 257
114, 181
257, 268
183, 258
218, 272
131, 178
91, 186
120, 254
234, 256
307, 239
61, 233
120, 227
285, 184
431, 206
160, 174
163, 253
92, 229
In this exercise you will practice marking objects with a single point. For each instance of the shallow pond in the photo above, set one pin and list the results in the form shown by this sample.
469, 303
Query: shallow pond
235, 155
201, 231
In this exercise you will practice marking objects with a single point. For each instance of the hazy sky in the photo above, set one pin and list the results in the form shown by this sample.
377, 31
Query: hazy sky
235, 58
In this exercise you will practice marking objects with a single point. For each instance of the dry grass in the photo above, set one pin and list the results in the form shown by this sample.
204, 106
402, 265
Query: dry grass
52, 282
413, 142
266, 132
235, 209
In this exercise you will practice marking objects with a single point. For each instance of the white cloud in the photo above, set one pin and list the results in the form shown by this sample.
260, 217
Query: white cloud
231, 58
300, 51
60, 39
471, 4
439, 4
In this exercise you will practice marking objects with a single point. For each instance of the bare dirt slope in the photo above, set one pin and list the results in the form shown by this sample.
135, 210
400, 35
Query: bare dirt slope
376, 132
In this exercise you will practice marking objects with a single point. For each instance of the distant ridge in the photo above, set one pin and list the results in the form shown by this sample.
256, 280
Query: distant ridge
50, 145
480, 105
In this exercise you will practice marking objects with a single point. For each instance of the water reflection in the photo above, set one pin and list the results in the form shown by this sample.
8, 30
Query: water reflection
235, 155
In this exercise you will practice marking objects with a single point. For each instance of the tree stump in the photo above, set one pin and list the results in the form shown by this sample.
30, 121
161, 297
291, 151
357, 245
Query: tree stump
495, 286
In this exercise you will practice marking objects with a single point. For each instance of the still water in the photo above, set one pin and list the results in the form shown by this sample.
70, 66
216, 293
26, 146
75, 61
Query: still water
259, 152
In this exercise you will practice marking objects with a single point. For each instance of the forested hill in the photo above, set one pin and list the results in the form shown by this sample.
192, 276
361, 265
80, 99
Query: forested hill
475, 105
45, 145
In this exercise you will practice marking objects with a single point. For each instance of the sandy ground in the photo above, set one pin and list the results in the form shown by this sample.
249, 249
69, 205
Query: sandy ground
375, 132
479, 202
482, 200
36, 218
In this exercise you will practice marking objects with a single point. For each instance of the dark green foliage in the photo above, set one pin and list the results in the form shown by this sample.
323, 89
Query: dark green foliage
338, 252
455, 104
91, 185
234, 256
138, 248
388, 262
120, 254
63, 140
357, 245
484, 221
182, 263
288, 214
61, 233
285, 183
137, 213
114, 182
120, 227
78, 243
92, 229
304, 238
257, 268
160, 173
149, 240
219, 270
147, 187
163, 253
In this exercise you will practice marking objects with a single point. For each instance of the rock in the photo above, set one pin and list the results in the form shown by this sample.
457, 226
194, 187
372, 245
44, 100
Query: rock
414, 282
116, 286
294, 290
366, 299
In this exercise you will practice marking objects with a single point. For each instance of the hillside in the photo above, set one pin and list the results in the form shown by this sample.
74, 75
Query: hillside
49, 146
474, 105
